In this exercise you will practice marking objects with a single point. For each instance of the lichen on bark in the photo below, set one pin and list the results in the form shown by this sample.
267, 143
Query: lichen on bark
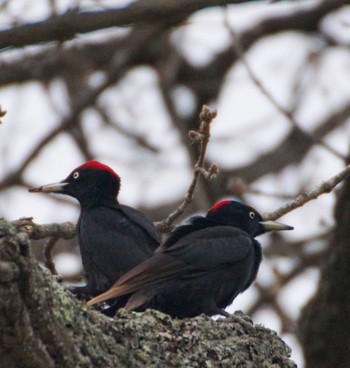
43, 325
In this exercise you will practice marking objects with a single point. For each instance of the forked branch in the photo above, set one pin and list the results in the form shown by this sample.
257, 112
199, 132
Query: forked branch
202, 137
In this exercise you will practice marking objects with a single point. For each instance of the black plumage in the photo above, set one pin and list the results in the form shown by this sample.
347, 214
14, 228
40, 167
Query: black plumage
201, 267
113, 238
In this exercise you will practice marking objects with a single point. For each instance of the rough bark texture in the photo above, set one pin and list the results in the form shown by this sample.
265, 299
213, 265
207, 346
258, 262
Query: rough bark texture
325, 321
42, 325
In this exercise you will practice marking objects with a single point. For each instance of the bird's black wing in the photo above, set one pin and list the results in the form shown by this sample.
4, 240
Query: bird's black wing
111, 245
212, 248
141, 220
200, 252
156, 269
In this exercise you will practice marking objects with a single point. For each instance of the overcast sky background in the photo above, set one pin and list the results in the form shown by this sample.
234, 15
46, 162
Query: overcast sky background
247, 125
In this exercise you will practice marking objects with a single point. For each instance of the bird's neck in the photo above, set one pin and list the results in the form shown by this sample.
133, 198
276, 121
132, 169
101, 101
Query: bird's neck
195, 223
91, 202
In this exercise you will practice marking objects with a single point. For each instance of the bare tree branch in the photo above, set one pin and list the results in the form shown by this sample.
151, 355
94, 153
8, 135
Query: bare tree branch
288, 114
66, 230
285, 153
73, 22
325, 187
48, 63
201, 136
113, 123
118, 65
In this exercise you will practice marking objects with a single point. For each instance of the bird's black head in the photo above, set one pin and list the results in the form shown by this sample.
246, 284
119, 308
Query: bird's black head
91, 184
237, 214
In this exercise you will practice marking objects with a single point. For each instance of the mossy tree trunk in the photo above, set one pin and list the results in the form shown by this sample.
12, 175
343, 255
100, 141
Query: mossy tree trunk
42, 326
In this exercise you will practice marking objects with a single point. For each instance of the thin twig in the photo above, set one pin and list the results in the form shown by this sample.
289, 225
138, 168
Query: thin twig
283, 111
202, 136
268, 295
112, 122
238, 187
325, 187
2, 113
48, 259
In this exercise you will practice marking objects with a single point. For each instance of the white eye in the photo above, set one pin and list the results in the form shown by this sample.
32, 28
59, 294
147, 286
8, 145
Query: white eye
251, 214
76, 175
